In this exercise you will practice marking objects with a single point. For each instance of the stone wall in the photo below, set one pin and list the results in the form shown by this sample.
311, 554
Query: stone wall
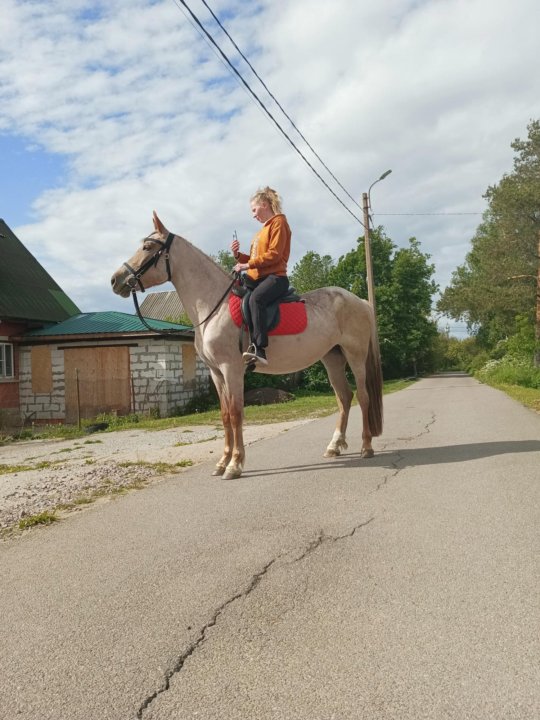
157, 368
160, 381
40, 407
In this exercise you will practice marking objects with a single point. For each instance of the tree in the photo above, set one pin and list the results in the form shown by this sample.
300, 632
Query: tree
311, 272
403, 290
225, 259
497, 282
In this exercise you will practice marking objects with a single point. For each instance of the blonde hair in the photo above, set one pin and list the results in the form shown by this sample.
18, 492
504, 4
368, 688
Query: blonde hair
269, 196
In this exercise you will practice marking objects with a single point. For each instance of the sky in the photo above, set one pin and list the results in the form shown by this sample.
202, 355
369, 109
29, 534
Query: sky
109, 110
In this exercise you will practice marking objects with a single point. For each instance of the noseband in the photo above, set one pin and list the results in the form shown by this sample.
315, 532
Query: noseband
135, 278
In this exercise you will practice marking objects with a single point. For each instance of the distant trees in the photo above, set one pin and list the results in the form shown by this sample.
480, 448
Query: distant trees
495, 289
403, 292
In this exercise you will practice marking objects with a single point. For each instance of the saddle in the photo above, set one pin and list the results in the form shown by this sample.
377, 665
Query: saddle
285, 316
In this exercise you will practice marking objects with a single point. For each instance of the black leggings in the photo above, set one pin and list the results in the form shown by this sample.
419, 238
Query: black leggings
266, 291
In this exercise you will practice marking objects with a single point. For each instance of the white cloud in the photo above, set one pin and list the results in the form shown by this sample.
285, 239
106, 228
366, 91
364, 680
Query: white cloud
150, 118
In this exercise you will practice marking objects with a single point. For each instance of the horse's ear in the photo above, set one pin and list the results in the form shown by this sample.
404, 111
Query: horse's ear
159, 226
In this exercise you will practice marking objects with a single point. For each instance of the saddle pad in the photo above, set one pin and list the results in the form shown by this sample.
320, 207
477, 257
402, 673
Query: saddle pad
292, 320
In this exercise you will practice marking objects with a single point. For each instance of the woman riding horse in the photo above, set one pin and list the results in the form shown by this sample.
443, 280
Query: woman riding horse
266, 266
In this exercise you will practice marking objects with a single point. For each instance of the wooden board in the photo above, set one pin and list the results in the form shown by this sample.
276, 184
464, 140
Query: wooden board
41, 370
104, 381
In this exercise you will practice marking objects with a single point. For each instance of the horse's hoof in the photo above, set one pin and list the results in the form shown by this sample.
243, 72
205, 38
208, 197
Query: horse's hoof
219, 470
331, 453
232, 473
367, 453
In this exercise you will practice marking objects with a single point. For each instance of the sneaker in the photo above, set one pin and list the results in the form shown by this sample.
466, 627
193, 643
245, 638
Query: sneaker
255, 354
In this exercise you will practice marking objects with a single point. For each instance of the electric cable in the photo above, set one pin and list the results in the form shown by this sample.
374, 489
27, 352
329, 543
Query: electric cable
280, 106
263, 106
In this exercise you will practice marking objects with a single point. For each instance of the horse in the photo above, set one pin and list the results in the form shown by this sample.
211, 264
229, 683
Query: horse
340, 331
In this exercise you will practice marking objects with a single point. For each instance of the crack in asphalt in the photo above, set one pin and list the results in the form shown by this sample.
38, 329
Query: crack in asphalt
254, 582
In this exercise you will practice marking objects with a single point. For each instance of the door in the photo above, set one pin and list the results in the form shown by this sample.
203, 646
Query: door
103, 381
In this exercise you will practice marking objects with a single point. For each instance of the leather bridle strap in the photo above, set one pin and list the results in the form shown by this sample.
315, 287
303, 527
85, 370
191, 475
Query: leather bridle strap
135, 278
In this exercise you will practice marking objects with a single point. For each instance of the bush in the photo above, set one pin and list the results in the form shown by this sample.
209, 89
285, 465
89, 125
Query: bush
510, 371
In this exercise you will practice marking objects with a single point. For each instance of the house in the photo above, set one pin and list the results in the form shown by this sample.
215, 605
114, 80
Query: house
162, 306
29, 298
60, 365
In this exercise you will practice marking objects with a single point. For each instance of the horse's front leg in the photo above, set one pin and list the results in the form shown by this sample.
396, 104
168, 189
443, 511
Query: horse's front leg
225, 459
238, 454
231, 398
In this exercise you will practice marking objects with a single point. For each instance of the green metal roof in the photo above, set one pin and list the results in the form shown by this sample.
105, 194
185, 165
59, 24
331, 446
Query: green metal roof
99, 323
27, 291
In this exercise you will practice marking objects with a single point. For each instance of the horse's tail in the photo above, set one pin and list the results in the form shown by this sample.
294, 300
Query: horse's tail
374, 383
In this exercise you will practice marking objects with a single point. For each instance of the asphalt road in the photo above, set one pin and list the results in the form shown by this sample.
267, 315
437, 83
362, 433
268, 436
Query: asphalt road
401, 587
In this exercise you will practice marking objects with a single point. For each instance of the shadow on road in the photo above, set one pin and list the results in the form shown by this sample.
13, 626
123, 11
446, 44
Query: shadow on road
413, 457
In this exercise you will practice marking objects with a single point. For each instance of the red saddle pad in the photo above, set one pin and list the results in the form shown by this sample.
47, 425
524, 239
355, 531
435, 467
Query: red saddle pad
292, 316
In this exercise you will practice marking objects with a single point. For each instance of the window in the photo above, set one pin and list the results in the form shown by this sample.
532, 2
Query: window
6, 360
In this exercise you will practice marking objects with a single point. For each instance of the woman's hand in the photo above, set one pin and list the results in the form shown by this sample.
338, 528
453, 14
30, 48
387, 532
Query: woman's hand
240, 267
235, 247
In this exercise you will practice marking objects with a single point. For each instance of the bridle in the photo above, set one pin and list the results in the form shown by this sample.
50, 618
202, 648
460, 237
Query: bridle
134, 280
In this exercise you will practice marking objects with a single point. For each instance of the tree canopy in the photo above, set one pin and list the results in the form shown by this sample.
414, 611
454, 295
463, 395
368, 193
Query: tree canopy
403, 292
497, 282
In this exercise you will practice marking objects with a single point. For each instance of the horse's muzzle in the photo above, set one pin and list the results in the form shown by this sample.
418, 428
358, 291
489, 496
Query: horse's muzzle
120, 283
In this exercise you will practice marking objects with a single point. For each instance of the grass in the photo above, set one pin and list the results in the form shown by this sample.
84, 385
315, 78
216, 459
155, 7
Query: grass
8, 469
304, 406
530, 397
159, 467
43, 518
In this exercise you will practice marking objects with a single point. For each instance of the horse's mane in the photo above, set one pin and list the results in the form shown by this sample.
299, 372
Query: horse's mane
206, 257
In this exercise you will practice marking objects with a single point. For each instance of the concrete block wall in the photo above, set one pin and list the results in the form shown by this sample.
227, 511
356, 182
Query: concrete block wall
157, 375
44, 406
158, 378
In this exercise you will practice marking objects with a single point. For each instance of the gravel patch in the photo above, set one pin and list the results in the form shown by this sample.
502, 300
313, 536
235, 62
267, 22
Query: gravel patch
59, 473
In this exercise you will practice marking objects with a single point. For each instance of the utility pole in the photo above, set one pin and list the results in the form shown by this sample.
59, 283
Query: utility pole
537, 330
366, 201
367, 249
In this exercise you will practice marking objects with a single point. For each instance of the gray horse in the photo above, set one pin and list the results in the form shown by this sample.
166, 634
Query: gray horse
341, 330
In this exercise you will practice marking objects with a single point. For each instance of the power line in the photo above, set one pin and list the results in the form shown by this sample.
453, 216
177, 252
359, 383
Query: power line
263, 106
426, 213
280, 106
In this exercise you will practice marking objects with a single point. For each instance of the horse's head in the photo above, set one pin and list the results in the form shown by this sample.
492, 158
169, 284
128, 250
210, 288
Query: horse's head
151, 261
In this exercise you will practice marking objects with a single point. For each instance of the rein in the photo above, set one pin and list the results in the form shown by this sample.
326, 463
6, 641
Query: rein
135, 279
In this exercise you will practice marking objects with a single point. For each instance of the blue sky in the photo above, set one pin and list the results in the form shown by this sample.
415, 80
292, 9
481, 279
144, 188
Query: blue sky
109, 110
27, 171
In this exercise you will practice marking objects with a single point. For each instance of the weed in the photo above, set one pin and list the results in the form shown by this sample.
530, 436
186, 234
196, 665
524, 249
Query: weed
83, 500
159, 467
8, 469
43, 518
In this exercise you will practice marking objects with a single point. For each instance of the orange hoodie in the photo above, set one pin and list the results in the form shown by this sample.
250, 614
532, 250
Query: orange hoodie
270, 249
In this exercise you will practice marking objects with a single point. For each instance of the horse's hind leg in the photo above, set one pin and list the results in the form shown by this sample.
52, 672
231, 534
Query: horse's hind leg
358, 367
335, 363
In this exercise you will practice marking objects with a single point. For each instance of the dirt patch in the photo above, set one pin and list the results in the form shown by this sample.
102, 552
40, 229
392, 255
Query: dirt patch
45, 475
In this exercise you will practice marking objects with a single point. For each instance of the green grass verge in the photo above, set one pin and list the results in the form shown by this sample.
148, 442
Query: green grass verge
530, 397
304, 406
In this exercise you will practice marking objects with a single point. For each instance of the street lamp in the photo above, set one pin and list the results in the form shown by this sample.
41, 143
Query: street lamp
366, 202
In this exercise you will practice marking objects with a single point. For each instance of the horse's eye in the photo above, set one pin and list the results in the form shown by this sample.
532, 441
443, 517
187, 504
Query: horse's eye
147, 246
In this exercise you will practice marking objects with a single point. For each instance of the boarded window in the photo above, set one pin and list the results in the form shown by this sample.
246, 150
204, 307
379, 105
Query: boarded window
189, 363
41, 370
